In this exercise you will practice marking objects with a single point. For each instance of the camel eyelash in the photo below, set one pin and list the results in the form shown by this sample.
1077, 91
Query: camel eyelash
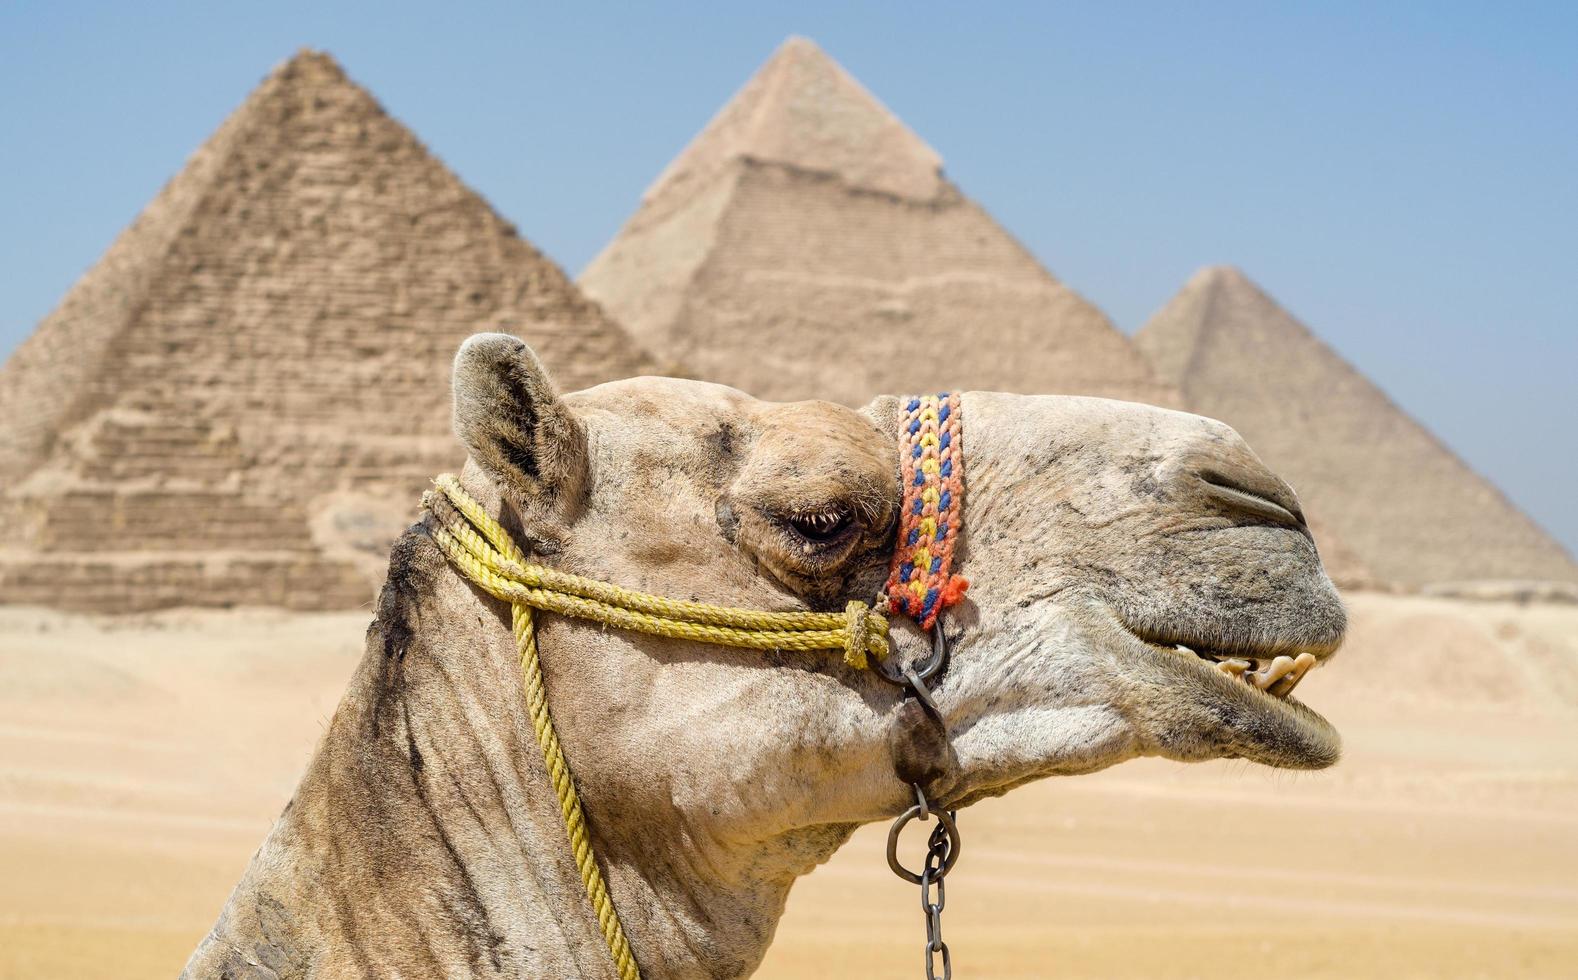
824, 524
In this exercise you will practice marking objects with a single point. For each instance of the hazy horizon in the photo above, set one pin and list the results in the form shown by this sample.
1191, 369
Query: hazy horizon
1403, 182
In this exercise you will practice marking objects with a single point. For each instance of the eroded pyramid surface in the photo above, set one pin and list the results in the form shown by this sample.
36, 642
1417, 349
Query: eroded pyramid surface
807, 245
240, 403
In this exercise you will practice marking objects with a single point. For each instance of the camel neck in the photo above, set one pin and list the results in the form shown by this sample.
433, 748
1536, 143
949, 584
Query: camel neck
425, 838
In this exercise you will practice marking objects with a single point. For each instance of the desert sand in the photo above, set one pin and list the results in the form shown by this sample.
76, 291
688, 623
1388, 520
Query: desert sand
143, 758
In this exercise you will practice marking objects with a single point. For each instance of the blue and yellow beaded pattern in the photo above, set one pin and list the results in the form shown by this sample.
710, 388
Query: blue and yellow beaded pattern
920, 583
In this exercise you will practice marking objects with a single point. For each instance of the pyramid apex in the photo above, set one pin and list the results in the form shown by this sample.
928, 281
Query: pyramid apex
1220, 272
1214, 290
798, 47
1220, 275
1217, 299
799, 42
803, 110
310, 64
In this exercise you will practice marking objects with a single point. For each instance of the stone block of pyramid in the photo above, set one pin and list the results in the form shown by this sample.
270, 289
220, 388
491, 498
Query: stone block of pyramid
807, 245
240, 403
1383, 491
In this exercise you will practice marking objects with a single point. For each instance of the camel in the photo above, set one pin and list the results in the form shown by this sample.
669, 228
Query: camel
1140, 585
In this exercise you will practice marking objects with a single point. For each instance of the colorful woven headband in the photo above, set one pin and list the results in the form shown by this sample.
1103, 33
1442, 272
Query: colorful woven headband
920, 584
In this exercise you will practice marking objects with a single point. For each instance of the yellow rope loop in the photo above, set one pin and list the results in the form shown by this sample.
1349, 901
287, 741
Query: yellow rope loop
483, 551
481, 548
464, 532
478, 517
866, 633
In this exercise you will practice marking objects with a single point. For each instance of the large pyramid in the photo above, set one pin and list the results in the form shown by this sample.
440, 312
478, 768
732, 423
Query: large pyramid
1389, 492
241, 401
807, 244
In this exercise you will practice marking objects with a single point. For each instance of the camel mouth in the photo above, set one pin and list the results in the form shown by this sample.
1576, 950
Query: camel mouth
1242, 695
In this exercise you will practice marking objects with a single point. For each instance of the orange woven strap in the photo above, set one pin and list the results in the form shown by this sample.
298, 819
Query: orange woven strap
921, 583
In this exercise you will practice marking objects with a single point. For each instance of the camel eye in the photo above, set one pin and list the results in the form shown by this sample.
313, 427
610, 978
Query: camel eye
823, 525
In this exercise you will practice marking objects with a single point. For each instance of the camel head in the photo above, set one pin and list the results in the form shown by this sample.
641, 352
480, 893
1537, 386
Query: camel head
1135, 575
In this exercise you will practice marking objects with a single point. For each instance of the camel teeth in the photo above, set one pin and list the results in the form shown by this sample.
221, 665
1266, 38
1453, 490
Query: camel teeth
1277, 676
1279, 668
1302, 664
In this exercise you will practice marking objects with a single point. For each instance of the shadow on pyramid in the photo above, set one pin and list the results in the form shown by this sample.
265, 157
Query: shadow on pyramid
240, 403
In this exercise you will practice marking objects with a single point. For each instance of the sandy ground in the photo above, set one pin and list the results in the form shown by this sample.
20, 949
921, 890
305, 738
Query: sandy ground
141, 761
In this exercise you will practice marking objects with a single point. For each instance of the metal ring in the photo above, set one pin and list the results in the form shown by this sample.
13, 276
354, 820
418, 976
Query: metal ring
943, 817
927, 668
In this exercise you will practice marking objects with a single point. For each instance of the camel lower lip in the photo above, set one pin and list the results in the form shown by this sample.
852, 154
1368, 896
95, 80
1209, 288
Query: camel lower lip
1286, 732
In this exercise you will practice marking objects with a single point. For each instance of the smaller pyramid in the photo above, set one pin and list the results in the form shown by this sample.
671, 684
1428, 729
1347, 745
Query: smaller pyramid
807, 245
242, 401
1390, 498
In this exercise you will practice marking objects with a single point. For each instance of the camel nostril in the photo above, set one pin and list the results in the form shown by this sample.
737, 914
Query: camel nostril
1270, 499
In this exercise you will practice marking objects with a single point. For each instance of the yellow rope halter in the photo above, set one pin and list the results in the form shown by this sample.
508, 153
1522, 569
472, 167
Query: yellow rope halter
482, 550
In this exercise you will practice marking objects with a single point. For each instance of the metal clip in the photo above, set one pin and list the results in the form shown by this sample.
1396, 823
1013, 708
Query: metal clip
915, 675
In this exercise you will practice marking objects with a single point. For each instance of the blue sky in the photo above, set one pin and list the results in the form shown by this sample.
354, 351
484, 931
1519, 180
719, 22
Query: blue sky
1404, 178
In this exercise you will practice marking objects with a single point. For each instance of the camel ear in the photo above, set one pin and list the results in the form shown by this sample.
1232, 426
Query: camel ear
514, 424
886, 412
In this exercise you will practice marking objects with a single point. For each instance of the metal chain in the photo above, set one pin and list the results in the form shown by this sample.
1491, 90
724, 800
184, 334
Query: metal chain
942, 847
942, 850
939, 848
